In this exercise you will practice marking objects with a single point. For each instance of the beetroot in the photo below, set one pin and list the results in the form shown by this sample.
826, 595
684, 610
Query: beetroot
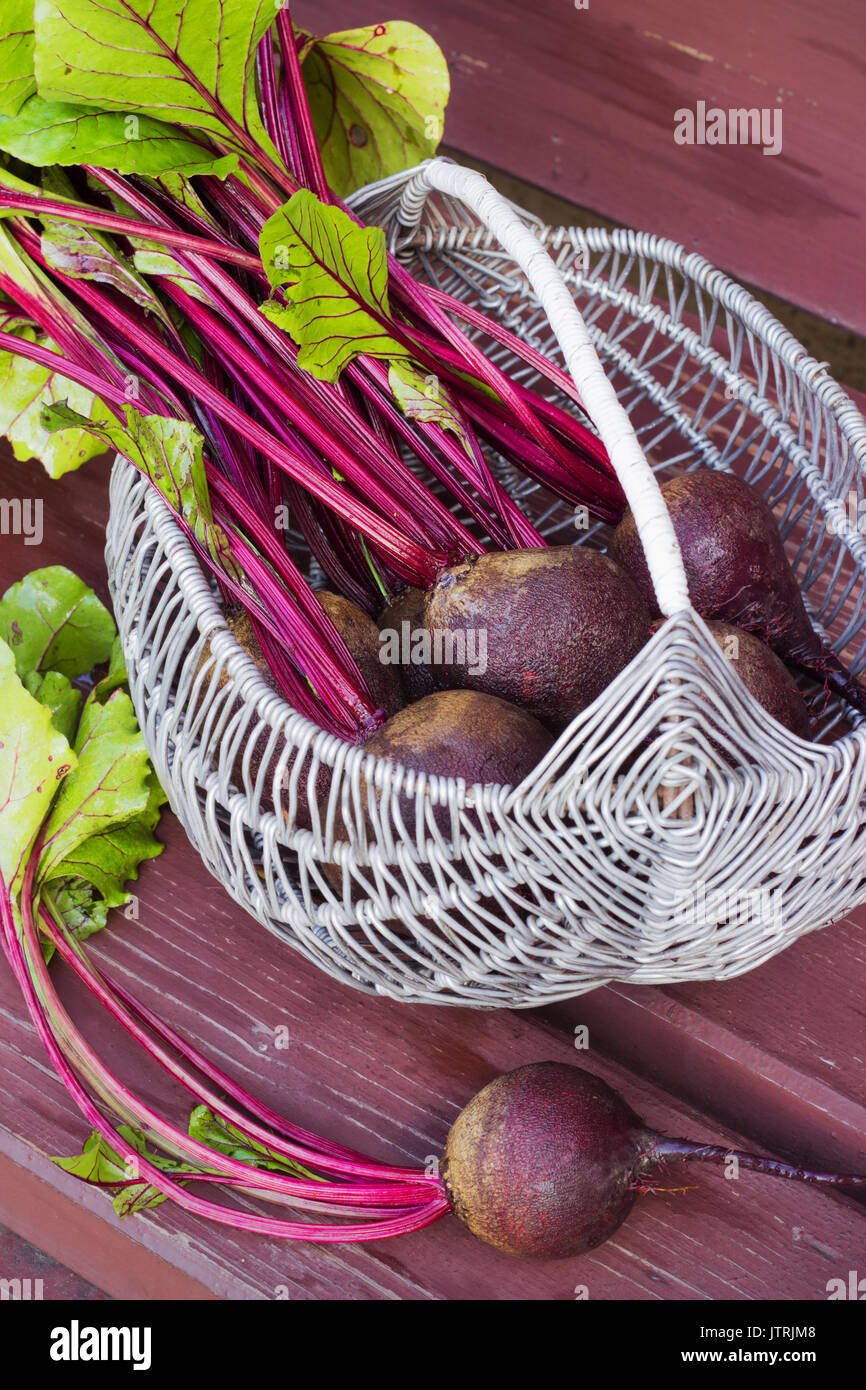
408, 608
547, 1161
554, 626
361, 636
461, 733
542, 1161
764, 675
737, 570
452, 733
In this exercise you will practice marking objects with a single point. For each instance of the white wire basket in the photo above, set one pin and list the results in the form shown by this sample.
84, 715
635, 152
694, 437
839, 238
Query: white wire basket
674, 831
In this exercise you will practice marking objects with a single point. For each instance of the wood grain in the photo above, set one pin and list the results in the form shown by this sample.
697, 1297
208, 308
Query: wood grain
389, 1079
582, 102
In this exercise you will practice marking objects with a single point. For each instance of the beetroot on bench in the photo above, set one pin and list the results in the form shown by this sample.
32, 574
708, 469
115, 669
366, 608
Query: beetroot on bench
547, 1160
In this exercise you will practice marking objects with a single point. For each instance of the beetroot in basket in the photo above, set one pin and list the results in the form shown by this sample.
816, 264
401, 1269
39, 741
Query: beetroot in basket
737, 570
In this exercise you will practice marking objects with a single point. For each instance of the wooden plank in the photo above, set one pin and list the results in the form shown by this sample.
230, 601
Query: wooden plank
779, 1051
62, 1215
582, 101
48, 1279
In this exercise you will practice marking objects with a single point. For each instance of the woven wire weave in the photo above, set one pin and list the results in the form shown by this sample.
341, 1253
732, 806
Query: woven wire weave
674, 831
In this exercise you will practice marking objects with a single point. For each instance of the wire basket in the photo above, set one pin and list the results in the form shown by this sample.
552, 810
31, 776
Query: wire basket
674, 831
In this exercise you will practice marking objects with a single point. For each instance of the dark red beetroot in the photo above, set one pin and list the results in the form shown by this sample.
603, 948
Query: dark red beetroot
408, 608
558, 623
762, 673
455, 733
542, 1161
462, 733
737, 570
548, 1159
361, 635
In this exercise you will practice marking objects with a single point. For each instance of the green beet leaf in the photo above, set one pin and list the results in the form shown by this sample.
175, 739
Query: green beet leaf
59, 695
190, 64
17, 81
87, 254
218, 1134
334, 276
103, 1166
377, 97
115, 677
34, 760
98, 1162
82, 911
60, 132
170, 453
151, 257
110, 859
25, 389
111, 786
53, 622
422, 397
183, 191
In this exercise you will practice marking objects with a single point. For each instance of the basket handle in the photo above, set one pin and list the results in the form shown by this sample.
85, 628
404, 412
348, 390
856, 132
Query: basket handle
617, 433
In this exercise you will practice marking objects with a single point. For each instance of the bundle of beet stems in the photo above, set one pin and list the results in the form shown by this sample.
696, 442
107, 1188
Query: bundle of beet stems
247, 429
335, 452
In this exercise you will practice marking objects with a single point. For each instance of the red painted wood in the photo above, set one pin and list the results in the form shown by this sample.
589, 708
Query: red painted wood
582, 101
48, 1280
390, 1079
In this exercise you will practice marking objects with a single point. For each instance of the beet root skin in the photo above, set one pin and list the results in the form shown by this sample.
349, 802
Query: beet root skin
462, 733
361, 635
764, 675
733, 555
559, 624
737, 569
452, 733
408, 607
547, 1161
542, 1162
